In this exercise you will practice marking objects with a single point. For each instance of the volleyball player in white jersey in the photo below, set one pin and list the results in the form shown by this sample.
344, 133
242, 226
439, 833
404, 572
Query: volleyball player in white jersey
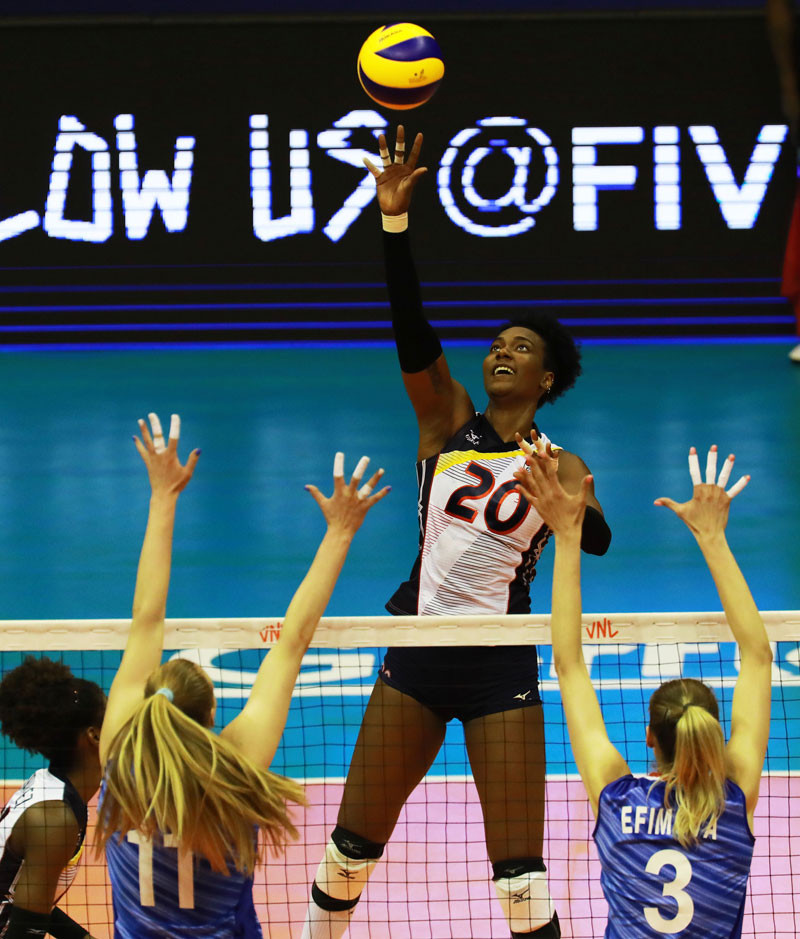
181, 804
45, 709
675, 850
479, 546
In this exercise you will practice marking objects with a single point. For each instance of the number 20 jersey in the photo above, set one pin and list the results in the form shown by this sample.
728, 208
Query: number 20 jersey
480, 538
654, 886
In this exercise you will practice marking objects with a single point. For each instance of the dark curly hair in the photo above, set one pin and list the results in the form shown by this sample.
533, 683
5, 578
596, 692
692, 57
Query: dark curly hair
44, 708
562, 353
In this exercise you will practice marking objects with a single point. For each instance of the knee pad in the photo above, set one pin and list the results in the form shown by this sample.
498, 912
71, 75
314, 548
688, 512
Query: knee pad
521, 885
344, 869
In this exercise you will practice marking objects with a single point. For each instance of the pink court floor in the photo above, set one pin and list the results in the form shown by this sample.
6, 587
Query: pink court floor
434, 880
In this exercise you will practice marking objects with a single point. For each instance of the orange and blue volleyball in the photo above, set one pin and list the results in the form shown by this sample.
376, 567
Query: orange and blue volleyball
400, 66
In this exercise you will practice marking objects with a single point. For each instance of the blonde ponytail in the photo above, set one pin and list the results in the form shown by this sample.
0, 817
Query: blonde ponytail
684, 716
168, 772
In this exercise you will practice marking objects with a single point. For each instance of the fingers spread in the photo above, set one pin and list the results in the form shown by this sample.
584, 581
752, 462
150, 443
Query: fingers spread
725, 473
158, 433
372, 168
378, 496
366, 490
415, 150
668, 503
148, 440
359, 471
537, 467
174, 431
527, 484
338, 469
694, 467
194, 456
711, 465
523, 444
737, 487
316, 494
399, 148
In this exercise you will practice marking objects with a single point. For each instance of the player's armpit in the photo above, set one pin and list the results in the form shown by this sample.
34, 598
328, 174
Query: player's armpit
598, 760
441, 404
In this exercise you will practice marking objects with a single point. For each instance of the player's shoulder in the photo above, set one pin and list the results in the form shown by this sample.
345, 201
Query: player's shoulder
568, 460
50, 824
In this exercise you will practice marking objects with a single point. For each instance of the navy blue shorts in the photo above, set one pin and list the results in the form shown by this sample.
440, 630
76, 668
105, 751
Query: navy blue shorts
465, 682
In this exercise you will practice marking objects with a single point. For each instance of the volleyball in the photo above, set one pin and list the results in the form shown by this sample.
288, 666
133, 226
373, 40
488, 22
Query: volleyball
400, 66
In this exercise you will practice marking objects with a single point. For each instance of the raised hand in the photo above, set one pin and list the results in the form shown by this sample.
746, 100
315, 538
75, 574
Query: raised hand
536, 445
539, 484
346, 509
397, 180
706, 513
166, 473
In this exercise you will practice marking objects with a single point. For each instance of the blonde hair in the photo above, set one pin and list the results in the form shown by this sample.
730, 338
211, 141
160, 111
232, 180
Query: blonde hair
684, 716
168, 772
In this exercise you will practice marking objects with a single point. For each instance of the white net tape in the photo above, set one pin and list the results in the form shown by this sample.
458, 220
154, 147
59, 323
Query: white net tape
351, 632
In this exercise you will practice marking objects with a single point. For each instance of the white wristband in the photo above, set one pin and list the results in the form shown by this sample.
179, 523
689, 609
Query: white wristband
395, 223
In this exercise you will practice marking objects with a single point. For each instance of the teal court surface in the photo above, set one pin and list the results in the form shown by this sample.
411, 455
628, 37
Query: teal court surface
73, 503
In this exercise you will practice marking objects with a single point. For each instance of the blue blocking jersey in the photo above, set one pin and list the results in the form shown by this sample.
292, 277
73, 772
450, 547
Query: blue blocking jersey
653, 885
158, 893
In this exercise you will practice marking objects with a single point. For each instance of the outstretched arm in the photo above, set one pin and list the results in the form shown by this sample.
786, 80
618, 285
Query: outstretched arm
258, 728
598, 760
146, 637
441, 404
706, 515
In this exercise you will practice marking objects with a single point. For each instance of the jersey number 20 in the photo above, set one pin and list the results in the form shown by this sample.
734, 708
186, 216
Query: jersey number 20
481, 490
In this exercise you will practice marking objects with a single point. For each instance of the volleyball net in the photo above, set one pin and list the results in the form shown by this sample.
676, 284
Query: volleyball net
435, 878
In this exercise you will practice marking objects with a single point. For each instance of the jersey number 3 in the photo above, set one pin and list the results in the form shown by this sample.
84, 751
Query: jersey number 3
185, 871
485, 488
672, 888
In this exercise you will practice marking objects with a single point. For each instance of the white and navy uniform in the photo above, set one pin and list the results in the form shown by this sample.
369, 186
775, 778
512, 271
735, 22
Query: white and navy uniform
480, 540
157, 893
654, 886
45, 785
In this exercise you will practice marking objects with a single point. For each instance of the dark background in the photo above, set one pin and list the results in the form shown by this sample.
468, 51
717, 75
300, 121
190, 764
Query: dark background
204, 79
378, 9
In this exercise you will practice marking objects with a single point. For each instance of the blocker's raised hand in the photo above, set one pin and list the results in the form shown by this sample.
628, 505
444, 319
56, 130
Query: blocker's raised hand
536, 445
398, 178
706, 513
539, 484
346, 508
161, 458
